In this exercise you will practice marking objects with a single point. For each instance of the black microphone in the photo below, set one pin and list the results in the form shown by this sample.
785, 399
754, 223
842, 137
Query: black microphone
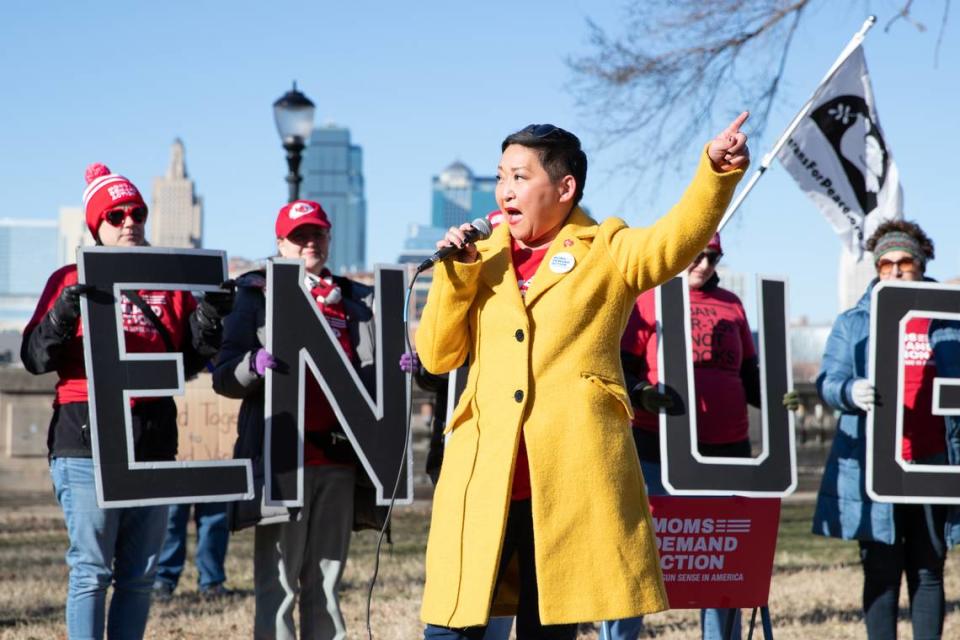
480, 231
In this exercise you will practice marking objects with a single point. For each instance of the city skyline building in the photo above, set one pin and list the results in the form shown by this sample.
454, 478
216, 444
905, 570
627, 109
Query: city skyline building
420, 244
422, 237
852, 278
72, 233
459, 196
28, 255
735, 282
176, 211
332, 170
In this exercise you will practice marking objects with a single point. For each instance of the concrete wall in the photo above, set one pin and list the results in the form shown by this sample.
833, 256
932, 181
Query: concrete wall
26, 403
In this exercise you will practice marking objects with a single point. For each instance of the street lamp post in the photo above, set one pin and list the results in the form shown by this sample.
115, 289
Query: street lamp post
293, 113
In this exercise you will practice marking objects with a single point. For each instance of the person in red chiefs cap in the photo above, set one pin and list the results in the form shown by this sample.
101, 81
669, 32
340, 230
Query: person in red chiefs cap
116, 545
303, 556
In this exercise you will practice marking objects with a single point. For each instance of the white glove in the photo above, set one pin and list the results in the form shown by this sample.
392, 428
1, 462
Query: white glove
863, 393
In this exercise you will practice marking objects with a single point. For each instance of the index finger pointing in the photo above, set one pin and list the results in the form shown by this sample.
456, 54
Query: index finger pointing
734, 126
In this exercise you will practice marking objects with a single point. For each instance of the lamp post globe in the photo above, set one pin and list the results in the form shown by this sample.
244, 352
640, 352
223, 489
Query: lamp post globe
293, 114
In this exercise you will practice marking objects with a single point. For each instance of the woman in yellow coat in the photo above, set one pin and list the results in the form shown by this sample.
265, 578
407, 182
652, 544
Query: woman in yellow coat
545, 418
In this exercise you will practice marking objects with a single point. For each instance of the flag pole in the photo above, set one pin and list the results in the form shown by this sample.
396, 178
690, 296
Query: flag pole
767, 160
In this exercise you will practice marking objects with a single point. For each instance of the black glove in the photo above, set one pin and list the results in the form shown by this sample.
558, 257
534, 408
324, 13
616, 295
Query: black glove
791, 400
217, 304
648, 397
66, 309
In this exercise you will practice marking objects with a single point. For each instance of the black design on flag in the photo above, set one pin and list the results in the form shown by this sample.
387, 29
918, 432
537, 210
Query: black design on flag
847, 125
839, 158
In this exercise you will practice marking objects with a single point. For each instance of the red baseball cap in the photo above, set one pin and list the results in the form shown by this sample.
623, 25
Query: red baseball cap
298, 213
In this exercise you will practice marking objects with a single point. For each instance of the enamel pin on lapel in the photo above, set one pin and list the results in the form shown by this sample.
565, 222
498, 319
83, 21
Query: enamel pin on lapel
562, 262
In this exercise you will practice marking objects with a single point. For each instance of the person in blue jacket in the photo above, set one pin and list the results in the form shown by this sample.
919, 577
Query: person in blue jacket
894, 538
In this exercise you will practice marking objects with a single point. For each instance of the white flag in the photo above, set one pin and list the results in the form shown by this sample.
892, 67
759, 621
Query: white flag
839, 158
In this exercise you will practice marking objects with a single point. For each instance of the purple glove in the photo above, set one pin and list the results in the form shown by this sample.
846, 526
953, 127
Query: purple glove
409, 362
261, 361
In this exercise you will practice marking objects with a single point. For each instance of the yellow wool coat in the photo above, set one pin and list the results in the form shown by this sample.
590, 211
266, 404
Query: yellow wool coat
549, 365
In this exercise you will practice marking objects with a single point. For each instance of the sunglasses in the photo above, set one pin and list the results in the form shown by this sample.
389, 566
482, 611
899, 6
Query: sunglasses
905, 265
712, 257
116, 216
304, 234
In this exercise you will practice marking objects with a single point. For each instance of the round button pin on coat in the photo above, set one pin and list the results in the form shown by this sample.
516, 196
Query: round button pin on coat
562, 262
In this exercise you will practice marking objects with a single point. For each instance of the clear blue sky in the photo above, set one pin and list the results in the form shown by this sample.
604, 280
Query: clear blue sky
419, 84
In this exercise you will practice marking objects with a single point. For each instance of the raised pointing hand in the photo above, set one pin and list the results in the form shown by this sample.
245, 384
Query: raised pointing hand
728, 150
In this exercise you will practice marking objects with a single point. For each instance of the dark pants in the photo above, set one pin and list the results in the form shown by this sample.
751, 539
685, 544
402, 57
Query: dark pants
920, 551
213, 536
517, 539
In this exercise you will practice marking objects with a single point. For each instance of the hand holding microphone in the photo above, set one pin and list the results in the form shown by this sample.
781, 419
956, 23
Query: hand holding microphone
459, 241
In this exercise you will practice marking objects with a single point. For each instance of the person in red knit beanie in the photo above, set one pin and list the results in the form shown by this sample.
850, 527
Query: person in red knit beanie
117, 546
113, 198
727, 379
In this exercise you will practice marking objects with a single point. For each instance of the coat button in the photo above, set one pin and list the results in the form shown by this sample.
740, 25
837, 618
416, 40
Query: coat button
518, 395
519, 335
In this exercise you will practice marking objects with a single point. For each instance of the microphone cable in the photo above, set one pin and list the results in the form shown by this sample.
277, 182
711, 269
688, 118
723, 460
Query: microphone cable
403, 459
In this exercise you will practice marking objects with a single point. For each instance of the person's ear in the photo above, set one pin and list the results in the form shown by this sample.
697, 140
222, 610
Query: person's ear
567, 188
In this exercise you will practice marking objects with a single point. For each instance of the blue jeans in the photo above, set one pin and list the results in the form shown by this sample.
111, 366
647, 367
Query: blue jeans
106, 545
712, 621
213, 535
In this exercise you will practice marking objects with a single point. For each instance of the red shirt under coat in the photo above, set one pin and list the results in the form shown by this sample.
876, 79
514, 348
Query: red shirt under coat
525, 264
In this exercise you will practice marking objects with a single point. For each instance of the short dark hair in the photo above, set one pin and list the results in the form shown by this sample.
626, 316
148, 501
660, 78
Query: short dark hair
908, 227
559, 152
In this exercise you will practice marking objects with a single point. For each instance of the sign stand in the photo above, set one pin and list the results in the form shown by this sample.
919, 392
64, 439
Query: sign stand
764, 622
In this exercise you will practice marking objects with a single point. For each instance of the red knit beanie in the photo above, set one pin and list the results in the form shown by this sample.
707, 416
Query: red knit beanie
714, 244
105, 191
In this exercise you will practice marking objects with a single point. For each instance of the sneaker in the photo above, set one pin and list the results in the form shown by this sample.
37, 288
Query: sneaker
162, 591
215, 592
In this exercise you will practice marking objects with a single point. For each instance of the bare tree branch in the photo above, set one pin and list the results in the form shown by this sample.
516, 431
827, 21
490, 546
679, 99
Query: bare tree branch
658, 85
943, 27
654, 87
904, 14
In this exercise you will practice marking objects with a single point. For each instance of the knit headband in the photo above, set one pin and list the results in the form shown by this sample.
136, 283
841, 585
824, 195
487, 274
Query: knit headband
898, 241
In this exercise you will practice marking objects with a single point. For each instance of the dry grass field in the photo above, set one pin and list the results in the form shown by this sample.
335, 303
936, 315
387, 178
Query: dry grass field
815, 593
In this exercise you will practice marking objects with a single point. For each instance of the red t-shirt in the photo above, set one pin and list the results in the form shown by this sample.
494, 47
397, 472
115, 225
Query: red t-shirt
924, 434
525, 264
173, 308
318, 414
721, 342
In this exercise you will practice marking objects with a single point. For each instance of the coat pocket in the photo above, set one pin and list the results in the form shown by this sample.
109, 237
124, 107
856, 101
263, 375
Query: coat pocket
461, 413
613, 387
